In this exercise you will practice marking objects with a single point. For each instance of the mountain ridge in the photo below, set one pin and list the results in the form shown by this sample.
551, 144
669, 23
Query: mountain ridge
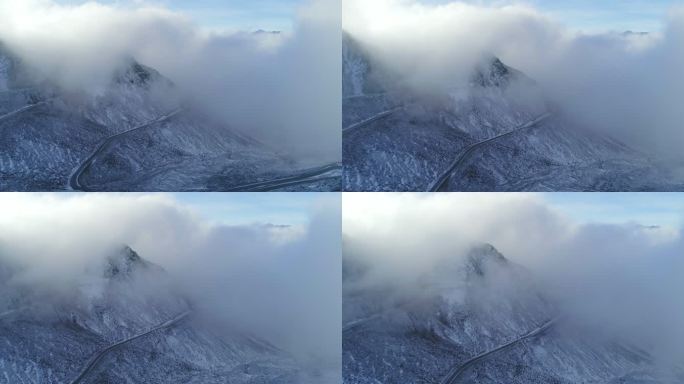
441, 331
132, 324
131, 142
403, 142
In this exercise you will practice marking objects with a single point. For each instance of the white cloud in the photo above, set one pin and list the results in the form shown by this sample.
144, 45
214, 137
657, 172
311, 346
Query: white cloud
287, 288
625, 276
282, 89
438, 226
628, 86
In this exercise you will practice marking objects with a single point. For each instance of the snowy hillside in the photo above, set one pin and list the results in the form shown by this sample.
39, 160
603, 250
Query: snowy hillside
476, 319
123, 322
495, 133
136, 134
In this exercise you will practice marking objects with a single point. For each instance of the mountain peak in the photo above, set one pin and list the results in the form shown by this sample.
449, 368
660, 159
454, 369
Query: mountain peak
477, 261
492, 72
136, 74
482, 256
125, 262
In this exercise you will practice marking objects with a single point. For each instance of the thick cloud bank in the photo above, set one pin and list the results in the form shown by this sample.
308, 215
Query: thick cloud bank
282, 88
626, 84
281, 283
623, 279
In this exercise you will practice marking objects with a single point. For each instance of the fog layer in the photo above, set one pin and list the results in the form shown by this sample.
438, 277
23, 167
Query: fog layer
628, 85
280, 283
623, 279
283, 88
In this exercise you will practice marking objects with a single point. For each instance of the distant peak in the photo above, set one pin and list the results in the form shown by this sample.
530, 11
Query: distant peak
264, 32
632, 33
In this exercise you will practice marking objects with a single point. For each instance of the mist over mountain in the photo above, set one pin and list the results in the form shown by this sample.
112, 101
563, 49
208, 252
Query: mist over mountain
188, 300
575, 112
481, 319
129, 297
505, 288
165, 106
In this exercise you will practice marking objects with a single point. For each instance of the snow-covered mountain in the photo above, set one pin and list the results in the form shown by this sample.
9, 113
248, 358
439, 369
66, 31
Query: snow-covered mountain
474, 319
496, 132
134, 135
123, 322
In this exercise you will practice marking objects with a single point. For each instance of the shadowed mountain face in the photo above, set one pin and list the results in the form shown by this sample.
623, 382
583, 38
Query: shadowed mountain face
134, 135
124, 264
123, 321
475, 319
492, 73
495, 133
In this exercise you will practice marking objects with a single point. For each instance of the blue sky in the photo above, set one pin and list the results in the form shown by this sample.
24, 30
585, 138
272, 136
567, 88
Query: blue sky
598, 15
602, 15
225, 14
659, 209
254, 208
239, 14
585, 15
232, 208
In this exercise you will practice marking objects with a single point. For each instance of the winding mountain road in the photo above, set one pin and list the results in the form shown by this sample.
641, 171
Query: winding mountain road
455, 373
357, 323
97, 357
23, 109
369, 120
308, 176
75, 182
442, 182
10, 312
365, 96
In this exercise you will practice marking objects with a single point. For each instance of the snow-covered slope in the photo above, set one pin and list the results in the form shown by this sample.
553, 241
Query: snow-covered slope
557, 156
123, 312
133, 135
464, 308
413, 146
5, 67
